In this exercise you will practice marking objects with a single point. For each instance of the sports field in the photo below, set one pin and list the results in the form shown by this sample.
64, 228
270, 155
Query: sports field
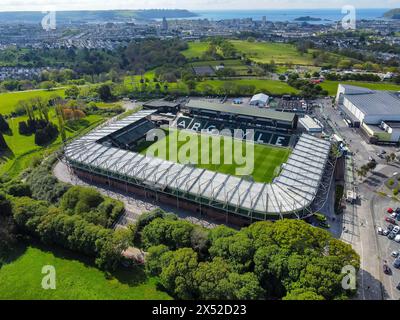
266, 160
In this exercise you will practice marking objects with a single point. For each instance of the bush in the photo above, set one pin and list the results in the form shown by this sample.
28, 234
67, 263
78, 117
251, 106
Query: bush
91, 205
20, 190
395, 192
391, 182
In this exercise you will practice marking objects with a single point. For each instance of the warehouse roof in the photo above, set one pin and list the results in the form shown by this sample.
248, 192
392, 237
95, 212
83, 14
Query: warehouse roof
294, 190
241, 110
373, 102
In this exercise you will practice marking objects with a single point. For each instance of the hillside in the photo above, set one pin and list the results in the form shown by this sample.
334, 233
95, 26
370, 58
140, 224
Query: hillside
393, 14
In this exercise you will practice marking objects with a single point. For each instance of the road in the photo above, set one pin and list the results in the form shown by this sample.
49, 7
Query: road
357, 226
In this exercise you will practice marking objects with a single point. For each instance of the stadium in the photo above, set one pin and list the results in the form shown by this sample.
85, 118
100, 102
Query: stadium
292, 175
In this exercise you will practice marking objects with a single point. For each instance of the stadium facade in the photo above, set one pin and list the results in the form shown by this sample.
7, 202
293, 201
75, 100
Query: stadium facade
104, 156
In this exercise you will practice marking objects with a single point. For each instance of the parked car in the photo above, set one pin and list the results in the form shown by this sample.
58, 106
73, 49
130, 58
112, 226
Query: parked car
380, 230
386, 269
386, 232
398, 286
390, 220
390, 227
396, 263
394, 254
389, 210
393, 215
397, 238
391, 236
396, 229
397, 210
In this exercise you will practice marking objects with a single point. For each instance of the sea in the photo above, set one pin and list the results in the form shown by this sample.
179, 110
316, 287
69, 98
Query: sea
326, 15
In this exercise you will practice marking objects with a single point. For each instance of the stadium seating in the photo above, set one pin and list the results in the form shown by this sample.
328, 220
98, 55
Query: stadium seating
198, 124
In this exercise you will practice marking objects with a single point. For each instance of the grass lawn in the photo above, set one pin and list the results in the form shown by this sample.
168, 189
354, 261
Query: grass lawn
264, 52
76, 279
23, 148
196, 50
332, 86
261, 85
9, 100
267, 159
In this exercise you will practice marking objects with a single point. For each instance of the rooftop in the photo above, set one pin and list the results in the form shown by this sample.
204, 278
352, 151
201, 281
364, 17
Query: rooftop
241, 110
372, 102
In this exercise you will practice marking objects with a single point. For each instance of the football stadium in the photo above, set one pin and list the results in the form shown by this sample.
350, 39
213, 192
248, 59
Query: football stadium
291, 177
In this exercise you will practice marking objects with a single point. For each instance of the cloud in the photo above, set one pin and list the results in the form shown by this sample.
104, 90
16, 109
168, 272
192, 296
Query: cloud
26, 5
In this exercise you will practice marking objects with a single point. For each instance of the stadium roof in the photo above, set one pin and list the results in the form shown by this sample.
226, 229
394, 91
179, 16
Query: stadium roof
294, 190
160, 104
241, 110
373, 102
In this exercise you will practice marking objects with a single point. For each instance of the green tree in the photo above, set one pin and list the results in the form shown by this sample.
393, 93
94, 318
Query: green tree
177, 273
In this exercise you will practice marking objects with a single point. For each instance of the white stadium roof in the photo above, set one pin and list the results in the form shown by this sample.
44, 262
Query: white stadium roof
293, 190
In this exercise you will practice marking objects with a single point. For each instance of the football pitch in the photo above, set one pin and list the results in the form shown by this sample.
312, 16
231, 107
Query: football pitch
214, 153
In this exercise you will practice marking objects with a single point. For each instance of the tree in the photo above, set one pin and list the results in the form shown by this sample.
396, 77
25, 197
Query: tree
104, 92
177, 272
72, 92
3, 143
4, 127
153, 259
303, 294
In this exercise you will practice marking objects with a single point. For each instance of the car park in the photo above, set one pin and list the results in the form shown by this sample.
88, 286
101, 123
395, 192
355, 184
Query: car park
394, 254
390, 220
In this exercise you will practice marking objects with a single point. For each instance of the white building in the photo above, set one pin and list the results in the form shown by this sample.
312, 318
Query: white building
259, 100
376, 112
310, 125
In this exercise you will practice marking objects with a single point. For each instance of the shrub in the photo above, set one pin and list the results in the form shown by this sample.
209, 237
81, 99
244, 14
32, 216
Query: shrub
20, 190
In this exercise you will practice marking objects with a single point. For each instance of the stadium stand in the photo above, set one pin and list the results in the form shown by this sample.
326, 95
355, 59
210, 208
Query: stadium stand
291, 195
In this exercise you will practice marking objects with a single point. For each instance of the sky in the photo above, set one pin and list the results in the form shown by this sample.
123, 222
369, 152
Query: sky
42, 5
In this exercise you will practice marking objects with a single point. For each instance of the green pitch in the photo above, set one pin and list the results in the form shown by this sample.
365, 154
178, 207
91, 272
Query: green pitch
210, 155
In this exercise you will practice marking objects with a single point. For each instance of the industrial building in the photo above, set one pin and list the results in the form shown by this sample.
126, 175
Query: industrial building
298, 191
376, 112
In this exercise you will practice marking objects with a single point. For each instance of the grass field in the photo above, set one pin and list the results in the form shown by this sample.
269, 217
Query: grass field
23, 148
267, 159
238, 65
196, 50
76, 279
332, 86
9, 100
261, 85
264, 52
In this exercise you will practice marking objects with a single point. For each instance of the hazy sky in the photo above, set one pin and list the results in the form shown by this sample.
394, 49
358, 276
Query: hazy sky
13, 5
